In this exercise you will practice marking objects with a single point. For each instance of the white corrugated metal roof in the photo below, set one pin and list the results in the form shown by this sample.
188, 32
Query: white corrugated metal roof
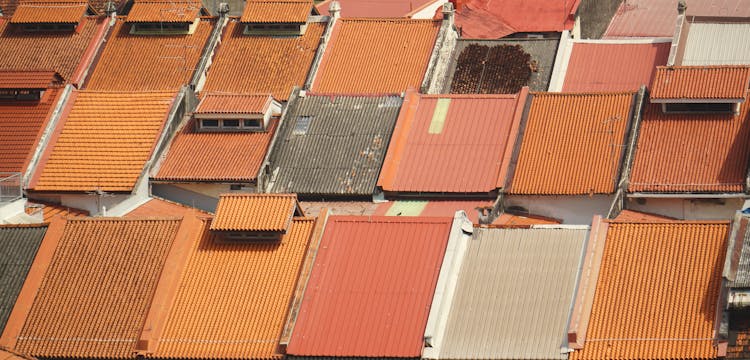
717, 44
514, 294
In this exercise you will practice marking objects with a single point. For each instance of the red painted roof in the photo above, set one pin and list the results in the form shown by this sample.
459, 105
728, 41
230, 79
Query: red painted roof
701, 82
376, 9
23, 79
359, 300
597, 66
488, 19
643, 18
466, 151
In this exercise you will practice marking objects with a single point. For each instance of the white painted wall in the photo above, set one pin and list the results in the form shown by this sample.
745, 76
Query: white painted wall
575, 209
687, 209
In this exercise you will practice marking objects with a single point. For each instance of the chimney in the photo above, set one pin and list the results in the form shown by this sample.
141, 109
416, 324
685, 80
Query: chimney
334, 9
223, 9
681, 7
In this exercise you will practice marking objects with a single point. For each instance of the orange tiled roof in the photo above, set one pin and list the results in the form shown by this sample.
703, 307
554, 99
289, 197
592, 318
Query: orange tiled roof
163, 62
25, 79
691, 153
104, 141
262, 64
61, 52
656, 293
97, 310
226, 103
700, 82
216, 156
164, 11
67, 12
572, 144
50, 210
254, 212
277, 11
233, 299
376, 55
21, 125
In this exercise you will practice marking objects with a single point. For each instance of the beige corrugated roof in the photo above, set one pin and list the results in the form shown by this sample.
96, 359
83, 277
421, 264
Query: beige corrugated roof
513, 295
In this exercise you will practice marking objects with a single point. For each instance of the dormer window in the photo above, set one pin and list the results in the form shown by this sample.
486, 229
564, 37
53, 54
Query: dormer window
159, 17
254, 218
701, 89
235, 112
276, 18
26, 85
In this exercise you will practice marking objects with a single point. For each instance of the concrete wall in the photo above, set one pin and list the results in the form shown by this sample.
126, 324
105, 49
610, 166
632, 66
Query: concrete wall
578, 210
687, 209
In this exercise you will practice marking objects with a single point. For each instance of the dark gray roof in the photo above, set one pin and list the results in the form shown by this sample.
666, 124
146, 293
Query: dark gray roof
341, 152
542, 51
18, 246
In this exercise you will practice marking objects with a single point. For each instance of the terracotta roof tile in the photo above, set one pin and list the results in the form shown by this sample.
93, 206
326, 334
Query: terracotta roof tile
23, 79
21, 124
276, 11
97, 310
49, 12
164, 11
262, 64
613, 66
164, 62
657, 291
376, 55
254, 212
452, 143
51, 210
61, 52
242, 290
226, 103
487, 19
691, 153
216, 156
357, 289
104, 141
701, 82
572, 144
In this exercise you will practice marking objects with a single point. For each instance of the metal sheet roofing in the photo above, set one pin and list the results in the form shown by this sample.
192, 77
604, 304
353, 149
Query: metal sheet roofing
513, 294
465, 74
104, 141
18, 247
216, 156
381, 9
49, 12
452, 143
21, 124
691, 152
701, 82
254, 212
164, 62
233, 299
376, 55
262, 64
358, 301
719, 43
572, 144
643, 18
332, 144
487, 19
97, 310
613, 66
277, 11
164, 11
657, 291
224, 103
24, 79
61, 52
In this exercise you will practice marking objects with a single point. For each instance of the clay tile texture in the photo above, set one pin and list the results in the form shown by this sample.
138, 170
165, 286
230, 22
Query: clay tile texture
164, 11
243, 290
163, 62
262, 64
104, 141
216, 156
254, 212
277, 11
357, 289
701, 82
657, 291
21, 79
573, 144
96, 292
376, 55
713, 152
21, 125
62, 52
221, 103
452, 143
67, 12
